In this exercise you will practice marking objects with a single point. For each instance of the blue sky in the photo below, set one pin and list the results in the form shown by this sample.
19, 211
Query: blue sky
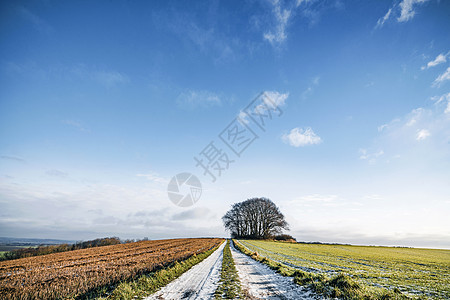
102, 103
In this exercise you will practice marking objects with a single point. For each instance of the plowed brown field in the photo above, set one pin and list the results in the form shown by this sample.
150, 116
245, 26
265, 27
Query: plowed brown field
75, 273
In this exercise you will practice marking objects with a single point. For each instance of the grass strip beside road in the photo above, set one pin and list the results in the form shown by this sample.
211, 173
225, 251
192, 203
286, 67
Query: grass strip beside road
229, 284
338, 286
146, 285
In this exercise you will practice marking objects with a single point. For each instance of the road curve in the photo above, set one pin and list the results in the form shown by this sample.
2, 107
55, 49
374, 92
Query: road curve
199, 282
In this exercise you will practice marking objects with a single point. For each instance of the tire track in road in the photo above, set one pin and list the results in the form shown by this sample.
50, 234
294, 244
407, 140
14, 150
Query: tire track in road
258, 281
199, 282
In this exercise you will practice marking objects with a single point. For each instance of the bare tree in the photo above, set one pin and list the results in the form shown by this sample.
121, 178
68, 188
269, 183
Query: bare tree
256, 218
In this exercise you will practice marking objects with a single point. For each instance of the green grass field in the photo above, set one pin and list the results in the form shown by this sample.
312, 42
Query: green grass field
414, 271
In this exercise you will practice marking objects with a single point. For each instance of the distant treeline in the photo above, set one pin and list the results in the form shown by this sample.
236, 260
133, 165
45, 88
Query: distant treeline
43, 250
321, 243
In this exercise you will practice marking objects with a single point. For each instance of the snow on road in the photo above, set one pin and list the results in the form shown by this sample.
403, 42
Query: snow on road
199, 282
258, 281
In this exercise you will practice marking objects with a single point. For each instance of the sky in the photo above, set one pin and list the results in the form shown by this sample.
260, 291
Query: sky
103, 103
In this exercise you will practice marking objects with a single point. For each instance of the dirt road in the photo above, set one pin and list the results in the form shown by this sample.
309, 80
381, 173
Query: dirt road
260, 282
200, 282
257, 280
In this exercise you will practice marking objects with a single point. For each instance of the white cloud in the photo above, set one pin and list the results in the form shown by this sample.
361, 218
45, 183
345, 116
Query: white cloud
299, 2
275, 99
422, 134
109, 78
407, 9
402, 139
153, 177
411, 122
284, 11
439, 99
415, 116
442, 99
299, 137
370, 157
441, 58
282, 16
192, 99
441, 78
382, 127
382, 20
243, 117
271, 101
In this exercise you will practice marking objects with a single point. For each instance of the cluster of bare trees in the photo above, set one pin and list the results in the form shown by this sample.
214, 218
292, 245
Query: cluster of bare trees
256, 218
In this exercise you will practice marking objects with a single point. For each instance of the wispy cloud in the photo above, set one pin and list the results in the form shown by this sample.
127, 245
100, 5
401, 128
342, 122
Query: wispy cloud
243, 118
441, 78
106, 78
192, 99
439, 99
283, 12
13, 158
405, 11
276, 99
318, 198
209, 39
272, 101
312, 86
109, 78
40, 24
278, 35
419, 137
382, 127
370, 157
320, 201
442, 99
407, 8
299, 137
440, 59
193, 214
153, 177
56, 173
76, 124
382, 20
422, 134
